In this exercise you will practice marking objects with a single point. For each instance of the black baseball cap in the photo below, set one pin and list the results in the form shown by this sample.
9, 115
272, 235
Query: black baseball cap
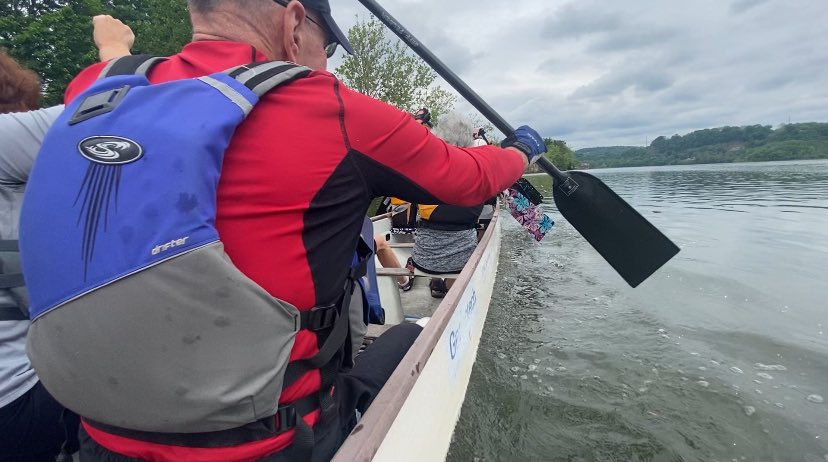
323, 7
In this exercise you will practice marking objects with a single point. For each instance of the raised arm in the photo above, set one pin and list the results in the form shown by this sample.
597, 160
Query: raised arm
112, 37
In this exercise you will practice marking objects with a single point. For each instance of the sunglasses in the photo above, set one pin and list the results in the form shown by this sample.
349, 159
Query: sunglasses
330, 43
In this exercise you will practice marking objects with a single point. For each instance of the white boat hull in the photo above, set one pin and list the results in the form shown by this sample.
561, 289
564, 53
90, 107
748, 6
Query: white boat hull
413, 417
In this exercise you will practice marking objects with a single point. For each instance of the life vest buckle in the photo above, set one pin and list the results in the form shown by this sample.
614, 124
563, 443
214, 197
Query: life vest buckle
320, 318
285, 418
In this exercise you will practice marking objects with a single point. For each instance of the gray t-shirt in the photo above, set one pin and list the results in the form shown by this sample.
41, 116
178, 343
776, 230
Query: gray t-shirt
21, 135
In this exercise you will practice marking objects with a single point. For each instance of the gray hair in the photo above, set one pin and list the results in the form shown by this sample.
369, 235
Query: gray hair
455, 129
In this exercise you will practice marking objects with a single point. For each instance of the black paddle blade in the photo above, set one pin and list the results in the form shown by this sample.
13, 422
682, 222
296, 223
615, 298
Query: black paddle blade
626, 240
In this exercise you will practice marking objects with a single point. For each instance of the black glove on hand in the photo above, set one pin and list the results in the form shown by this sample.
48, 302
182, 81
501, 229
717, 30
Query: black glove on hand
528, 141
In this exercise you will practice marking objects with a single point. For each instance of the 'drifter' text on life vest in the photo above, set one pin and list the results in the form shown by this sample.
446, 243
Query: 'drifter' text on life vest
169, 245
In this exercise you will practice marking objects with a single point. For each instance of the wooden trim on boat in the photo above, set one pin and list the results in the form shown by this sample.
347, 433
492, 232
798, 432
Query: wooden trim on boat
377, 218
368, 435
394, 272
397, 272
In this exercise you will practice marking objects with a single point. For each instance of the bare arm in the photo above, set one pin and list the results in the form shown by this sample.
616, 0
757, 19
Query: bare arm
112, 37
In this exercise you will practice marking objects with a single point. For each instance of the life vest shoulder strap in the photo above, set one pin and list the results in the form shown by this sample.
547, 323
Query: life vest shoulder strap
262, 77
130, 65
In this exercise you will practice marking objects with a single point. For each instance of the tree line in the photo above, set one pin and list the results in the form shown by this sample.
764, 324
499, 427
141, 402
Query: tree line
561, 155
751, 143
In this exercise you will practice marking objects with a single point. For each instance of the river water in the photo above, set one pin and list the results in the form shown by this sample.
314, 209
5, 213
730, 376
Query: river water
722, 355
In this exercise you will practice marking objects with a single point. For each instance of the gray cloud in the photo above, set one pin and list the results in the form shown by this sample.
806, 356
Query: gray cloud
642, 81
632, 39
573, 21
596, 73
741, 6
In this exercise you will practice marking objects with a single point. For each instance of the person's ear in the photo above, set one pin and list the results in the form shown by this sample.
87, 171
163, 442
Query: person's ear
292, 39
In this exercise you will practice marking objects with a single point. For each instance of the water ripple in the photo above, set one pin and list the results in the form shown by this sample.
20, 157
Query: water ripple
719, 356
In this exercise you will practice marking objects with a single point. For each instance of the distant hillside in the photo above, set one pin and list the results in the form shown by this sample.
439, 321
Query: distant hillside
718, 145
603, 151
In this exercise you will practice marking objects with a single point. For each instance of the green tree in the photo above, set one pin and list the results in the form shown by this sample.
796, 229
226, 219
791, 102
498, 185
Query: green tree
387, 70
560, 154
750, 143
162, 27
30, 7
54, 38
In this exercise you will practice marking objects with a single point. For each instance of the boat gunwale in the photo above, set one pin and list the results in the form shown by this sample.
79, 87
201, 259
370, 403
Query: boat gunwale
382, 216
365, 439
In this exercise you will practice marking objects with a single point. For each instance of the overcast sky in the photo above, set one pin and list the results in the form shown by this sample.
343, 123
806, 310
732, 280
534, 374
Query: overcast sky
600, 73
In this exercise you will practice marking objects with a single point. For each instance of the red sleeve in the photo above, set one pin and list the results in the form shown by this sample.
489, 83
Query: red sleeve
409, 162
82, 81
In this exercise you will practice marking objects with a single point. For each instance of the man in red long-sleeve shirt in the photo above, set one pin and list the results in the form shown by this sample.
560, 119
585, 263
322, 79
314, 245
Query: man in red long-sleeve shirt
296, 181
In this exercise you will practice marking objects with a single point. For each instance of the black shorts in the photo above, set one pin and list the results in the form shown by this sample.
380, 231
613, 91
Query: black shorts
34, 427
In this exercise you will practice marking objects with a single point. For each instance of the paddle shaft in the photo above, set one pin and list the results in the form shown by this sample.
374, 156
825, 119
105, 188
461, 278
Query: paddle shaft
627, 241
458, 84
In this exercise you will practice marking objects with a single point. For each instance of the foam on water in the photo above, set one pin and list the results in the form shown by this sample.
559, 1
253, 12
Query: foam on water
766, 367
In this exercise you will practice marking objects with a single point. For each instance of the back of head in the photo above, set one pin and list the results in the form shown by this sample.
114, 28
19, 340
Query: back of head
209, 6
455, 128
223, 14
272, 27
19, 87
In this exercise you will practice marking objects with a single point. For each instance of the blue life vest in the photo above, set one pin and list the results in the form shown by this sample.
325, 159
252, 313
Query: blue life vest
87, 176
136, 308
